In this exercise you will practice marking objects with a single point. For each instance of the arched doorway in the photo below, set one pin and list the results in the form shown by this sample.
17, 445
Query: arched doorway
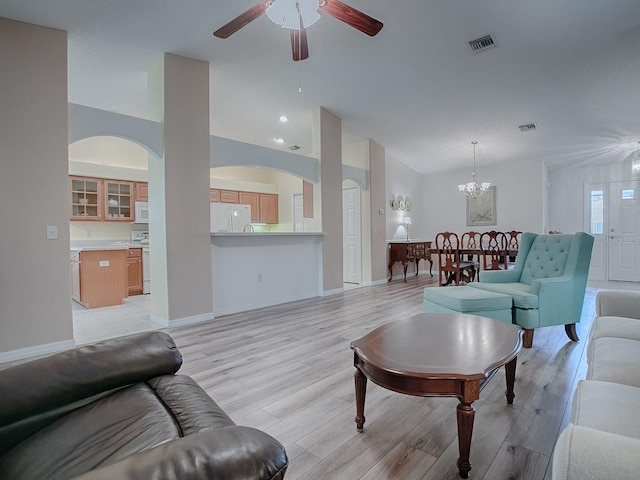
120, 162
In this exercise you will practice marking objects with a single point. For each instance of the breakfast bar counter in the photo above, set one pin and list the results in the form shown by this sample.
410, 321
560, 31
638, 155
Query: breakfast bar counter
258, 269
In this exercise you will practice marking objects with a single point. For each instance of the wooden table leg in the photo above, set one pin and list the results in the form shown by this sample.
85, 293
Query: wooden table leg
361, 389
510, 373
466, 415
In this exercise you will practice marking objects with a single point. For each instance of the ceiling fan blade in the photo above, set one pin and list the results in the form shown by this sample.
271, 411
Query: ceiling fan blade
240, 21
349, 15
299, 45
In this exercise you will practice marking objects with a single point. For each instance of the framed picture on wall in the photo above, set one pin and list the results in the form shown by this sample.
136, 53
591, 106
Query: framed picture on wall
482, 210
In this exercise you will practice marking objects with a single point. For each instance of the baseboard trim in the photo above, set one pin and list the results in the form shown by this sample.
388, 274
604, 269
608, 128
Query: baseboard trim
36, 351
271, 303
328, 293
369, 283
181, 322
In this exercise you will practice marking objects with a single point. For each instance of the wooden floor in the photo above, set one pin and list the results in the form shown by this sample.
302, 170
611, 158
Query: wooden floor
288, 370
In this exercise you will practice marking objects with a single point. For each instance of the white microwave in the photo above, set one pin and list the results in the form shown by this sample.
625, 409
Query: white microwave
142, 212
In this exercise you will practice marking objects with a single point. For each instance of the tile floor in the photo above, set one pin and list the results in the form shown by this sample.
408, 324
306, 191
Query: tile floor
133, 315
91, 325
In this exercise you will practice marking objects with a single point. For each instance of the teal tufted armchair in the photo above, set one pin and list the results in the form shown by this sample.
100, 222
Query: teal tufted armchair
548, 281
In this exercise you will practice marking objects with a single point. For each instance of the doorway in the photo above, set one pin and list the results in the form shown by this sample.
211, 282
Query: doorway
613, 218
352, 236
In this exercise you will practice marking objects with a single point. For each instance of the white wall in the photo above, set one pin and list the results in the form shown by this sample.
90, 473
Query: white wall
566, 192
520, 198
35, 281
406, 182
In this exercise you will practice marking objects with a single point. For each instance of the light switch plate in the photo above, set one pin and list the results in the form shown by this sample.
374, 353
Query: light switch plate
52, 232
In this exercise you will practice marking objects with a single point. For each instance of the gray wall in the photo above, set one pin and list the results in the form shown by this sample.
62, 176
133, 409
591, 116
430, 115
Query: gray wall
35, 285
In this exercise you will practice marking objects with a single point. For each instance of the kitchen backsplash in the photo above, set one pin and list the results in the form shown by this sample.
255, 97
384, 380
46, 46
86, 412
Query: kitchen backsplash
102, 232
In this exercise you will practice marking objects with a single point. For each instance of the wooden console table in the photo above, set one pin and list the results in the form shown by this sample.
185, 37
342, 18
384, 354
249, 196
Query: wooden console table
409, 251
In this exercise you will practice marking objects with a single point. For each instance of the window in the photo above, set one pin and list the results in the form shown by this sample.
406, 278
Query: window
597, 212
628, 194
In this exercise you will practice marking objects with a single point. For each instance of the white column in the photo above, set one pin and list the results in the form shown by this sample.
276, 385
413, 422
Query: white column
327, 132
378, 220
179, 230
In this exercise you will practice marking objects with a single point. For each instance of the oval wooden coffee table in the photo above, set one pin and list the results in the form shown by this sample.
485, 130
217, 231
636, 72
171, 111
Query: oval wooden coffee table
438, 354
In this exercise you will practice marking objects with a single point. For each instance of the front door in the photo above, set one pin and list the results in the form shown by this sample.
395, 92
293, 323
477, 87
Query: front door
624, 231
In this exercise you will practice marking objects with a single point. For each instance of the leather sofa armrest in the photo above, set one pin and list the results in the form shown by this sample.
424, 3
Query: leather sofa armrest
231, 453
45, 384
618, 303
583, 453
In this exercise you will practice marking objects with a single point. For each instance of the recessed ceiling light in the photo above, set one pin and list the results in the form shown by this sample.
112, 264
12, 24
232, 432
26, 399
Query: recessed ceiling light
278, 140
284, 118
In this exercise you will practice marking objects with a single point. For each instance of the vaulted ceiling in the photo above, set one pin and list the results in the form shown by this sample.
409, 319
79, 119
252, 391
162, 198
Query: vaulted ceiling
572, 67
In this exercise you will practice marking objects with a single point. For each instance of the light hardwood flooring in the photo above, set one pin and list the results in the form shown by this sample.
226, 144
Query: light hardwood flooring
288, 370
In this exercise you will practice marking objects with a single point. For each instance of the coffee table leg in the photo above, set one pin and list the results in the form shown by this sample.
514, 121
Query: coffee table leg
361, 389
510, 373
466, 415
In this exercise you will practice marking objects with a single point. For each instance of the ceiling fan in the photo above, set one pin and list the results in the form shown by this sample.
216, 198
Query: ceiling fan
297, 15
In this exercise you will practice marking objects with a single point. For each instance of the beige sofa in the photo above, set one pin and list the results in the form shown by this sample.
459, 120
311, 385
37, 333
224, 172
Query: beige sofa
602, 440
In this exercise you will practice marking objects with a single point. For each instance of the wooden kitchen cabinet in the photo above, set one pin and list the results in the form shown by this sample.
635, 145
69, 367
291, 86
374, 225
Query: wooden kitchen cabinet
99, 277
134, 271
268, 207
264, 206
253, 199
85, 198
118, 201
99, 199
142, 191
229, 196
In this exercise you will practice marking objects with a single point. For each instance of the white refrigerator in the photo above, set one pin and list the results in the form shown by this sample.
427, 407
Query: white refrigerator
229, 217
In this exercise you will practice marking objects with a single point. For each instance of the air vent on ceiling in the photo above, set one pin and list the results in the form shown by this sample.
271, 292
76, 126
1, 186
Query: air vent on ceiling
528, 127
293, 148
482, 43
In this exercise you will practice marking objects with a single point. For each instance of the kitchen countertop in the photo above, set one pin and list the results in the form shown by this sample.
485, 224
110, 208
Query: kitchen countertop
108, 246
266, 234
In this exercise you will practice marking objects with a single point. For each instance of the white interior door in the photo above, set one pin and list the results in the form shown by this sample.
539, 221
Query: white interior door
352, 237
624, 231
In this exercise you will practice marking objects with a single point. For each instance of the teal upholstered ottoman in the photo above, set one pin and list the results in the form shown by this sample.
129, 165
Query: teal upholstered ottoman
468, 300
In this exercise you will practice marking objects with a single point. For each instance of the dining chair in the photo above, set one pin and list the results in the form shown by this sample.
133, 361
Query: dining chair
494, 250
513, 244
450, 265
470, 250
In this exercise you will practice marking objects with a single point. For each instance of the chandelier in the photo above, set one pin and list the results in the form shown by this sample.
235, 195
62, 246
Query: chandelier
290, 13
474, 189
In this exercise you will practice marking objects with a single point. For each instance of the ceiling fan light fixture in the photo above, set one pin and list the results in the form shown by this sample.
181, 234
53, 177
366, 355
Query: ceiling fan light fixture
288, 13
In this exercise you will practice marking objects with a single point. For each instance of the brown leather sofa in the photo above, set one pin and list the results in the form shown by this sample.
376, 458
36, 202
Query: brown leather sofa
116, 410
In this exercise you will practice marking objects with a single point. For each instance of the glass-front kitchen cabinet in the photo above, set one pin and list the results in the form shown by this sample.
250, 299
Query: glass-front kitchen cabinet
86, 198
100, 199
